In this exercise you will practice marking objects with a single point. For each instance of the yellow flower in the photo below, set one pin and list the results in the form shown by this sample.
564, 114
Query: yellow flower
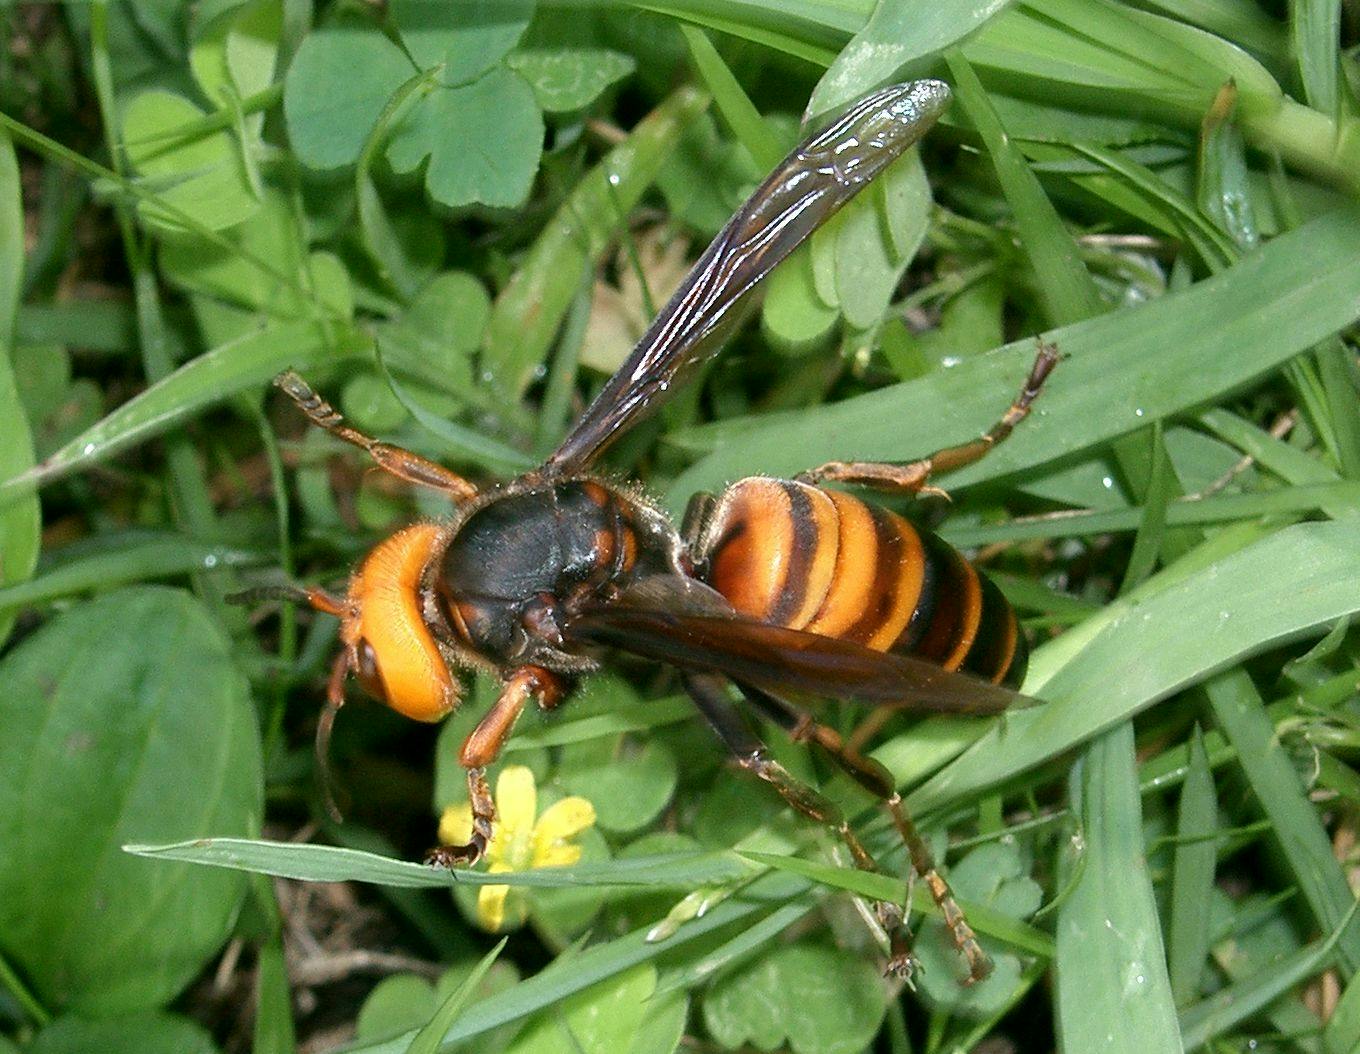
518, 842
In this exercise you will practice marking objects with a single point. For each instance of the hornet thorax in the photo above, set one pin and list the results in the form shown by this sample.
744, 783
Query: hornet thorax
519, 565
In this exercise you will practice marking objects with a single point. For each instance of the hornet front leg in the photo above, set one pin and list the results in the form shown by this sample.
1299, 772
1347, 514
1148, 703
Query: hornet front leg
482, 747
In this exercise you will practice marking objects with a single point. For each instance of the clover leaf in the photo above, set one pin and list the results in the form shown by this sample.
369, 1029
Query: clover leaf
336, 88
569, 79
483, 141
816, 1000
200, 174
467, 38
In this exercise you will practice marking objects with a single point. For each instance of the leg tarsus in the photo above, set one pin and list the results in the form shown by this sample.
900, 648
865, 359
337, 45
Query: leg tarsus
483, 821
397, 460
913, 477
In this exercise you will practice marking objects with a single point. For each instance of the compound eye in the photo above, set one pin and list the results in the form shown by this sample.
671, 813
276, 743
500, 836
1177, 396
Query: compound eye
367, 673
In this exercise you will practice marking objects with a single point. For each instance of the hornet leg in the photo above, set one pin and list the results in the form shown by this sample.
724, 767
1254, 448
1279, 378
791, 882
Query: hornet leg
876, 779
913, 477
394, 459
708, 694
481, 748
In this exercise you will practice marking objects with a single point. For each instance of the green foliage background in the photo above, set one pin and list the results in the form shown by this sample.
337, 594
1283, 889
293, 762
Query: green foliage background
453, 218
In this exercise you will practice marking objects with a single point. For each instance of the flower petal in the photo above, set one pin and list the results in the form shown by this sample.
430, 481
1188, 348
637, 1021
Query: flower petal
565, 818
455, 826
561, 821
516, 801
558, 854
491, 906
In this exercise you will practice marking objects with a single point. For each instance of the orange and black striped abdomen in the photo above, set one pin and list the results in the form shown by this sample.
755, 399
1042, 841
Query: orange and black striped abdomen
823, 561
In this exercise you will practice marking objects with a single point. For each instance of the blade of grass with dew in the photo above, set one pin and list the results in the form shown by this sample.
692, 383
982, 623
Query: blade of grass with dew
324, 863
21, 521
1123, 370
117, 560
1223, 190
526, 315
1112, 989
246, 362
1183, 633
1192, 876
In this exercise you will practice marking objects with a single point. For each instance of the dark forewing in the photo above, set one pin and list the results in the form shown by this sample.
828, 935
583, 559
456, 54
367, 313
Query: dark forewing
787, 660
821, 175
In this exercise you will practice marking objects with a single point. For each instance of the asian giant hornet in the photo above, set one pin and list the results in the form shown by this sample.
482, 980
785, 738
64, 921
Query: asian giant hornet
780, 587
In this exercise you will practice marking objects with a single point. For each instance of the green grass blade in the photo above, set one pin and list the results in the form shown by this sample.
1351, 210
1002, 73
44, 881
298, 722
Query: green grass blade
427, 1040
1192, 876
885, 887
732, 101
20, 522
1147, 543
1216, 1015
1343, 498
1068, 293
274, 1032
324, 863
119, 560
1123, 371
1315, 33
1336, 369
1183, 634
526, 315
1112, 994
246, 362
1306, 846
809, 29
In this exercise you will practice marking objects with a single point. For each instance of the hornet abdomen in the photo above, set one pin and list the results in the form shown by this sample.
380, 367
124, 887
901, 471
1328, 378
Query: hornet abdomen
823, 561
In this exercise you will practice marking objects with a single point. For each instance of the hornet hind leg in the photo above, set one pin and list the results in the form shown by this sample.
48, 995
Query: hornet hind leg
876, 779
707, 691
913, 477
